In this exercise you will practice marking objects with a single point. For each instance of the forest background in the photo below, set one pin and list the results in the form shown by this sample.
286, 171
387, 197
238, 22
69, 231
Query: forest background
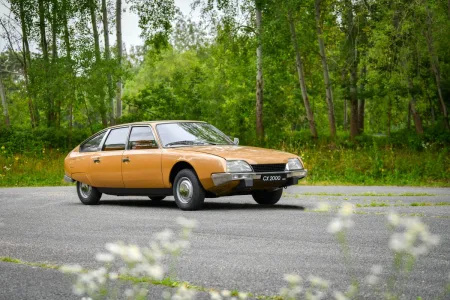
359, 89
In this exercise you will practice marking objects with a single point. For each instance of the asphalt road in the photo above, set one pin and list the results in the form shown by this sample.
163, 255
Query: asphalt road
238, 245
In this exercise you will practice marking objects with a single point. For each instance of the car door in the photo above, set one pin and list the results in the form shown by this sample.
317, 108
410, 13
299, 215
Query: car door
141, 166
106, 165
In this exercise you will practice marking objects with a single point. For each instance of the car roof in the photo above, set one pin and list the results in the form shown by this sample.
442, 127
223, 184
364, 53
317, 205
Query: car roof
154, 122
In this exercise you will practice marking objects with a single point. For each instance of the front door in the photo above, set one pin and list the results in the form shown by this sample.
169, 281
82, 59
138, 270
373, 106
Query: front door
141, 166
106, 165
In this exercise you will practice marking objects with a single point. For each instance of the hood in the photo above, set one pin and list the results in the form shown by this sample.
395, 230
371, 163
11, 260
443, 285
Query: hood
253, 155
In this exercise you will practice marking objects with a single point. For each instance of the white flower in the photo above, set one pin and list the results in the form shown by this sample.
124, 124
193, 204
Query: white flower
226, 293
346, 209
104, 257
339, 296
114, 248
187, 223
133, 253
393, 219
242, 296
293, 279
71, 269
113, 276
335, 226
156, 272
164, 235
215, 295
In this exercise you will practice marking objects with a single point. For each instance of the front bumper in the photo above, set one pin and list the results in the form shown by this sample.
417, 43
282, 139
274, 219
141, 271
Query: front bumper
68, 179
247, 179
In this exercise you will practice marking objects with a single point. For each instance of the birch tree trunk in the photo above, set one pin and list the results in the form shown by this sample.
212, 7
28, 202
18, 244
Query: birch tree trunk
44, 47
362, 100
301, 78
352, 62
326, 75
259, 78
92, 8
4, 103
32, 107
108, 61
119, 58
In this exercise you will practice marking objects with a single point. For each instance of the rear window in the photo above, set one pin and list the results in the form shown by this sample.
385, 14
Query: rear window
93, 144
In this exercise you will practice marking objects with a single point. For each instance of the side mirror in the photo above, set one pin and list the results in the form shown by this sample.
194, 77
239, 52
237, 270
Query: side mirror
236, 141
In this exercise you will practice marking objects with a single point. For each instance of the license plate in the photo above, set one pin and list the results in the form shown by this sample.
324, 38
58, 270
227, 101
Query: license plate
271, 178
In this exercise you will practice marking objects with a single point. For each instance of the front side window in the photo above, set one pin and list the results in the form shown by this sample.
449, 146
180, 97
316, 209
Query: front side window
116, 139
142, 138
93, 144
191, 133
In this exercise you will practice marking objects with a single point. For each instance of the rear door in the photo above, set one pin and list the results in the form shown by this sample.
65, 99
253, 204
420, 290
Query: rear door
106, 165
141, 166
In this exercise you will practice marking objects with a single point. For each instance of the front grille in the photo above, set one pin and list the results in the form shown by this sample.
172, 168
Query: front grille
269, 168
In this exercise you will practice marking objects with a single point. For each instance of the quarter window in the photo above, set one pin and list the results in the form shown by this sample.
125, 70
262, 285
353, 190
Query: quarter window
116, 139
142, 138
93, 144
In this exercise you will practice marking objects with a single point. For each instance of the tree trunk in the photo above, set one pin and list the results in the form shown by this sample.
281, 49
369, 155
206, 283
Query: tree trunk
71, 95
413, 110
4, 103
108, 61
102, 108
326, 75
362, 100
55, 68
259, 79
352, 62
33, 109
119, 58
301, 78
389, 114
44, 47
435, 66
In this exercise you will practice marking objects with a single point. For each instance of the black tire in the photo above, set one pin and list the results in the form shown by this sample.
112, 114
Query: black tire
187, 190
87, 194
157, 198
266, 197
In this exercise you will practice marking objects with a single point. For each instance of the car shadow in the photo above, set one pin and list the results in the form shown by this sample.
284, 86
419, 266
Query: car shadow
206, 206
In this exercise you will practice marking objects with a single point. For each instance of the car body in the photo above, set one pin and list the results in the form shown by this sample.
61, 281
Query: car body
190, 160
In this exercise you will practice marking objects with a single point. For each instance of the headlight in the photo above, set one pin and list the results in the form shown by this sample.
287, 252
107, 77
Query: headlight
234, 166
293, 164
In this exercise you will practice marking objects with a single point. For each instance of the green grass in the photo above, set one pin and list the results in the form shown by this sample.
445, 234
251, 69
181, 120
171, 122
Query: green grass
168, 282
337, 166
368, 194
430, 204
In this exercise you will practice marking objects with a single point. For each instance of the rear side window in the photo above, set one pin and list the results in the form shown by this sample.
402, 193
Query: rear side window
142, 138
93, 144
116, 139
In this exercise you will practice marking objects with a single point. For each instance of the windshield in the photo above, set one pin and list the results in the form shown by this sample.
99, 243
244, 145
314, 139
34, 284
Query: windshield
190, 133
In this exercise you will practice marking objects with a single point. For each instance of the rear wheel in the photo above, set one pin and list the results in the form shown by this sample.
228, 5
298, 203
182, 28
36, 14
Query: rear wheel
187, 190
157, 198
87, 194
266, 197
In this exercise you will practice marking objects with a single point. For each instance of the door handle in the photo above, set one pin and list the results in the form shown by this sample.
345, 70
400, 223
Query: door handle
126, 159
96, 160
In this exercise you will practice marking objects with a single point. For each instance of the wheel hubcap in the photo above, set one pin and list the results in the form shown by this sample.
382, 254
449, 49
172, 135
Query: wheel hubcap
85, 190
184, 190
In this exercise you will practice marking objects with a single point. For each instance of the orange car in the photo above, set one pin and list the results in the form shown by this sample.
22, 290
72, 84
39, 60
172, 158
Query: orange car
190, 160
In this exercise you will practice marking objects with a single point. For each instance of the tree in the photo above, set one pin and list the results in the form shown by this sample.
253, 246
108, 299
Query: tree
119, 58
259, 74
326, 75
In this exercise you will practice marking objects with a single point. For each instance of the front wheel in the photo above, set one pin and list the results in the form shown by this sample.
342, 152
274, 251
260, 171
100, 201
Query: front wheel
187, 190
87, 194
267, 198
